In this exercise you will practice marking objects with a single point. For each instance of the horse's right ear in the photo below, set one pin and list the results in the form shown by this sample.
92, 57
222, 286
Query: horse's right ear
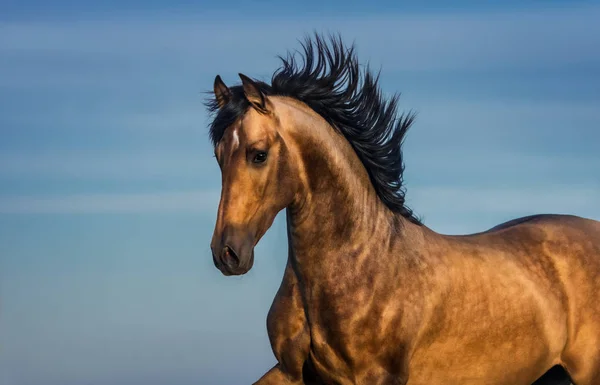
254, 95
222, 92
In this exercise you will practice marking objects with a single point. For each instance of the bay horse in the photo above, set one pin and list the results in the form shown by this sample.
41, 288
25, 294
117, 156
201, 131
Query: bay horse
370, 295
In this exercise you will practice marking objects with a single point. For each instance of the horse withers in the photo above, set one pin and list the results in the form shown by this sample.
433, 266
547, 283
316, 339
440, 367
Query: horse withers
370, 295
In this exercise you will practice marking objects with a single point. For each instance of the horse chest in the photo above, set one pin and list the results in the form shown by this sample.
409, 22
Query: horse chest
343, 341
351, 358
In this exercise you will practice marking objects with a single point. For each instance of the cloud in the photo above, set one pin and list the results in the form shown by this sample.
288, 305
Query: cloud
138, 165
173, 118
563, 199
201, 201
146, 44
462, 209
510, 119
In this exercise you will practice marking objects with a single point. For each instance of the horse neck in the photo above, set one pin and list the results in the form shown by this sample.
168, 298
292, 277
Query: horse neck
337, 219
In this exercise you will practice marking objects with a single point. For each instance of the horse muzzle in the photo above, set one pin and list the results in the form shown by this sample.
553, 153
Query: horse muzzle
233, 255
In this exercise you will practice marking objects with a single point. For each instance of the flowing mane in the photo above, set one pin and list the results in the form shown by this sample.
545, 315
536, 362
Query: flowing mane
330, 82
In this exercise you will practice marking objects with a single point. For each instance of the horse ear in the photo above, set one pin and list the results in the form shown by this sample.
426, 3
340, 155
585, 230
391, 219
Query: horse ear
222, 92
254, 95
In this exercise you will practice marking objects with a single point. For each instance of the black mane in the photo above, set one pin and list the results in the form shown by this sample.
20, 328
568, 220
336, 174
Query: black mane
330, 82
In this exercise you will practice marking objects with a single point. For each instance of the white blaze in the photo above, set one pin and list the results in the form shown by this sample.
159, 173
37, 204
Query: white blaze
236, 139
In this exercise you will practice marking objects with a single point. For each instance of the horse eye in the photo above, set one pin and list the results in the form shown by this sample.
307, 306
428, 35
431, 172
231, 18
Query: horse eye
260, 157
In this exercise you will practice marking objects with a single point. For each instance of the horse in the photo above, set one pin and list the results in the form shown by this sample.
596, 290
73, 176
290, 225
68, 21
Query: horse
370, 294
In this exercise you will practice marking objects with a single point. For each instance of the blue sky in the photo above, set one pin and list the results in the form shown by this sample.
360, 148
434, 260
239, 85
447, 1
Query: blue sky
108, 188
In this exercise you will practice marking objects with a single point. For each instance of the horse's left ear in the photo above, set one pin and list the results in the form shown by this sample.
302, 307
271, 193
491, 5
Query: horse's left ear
255, 96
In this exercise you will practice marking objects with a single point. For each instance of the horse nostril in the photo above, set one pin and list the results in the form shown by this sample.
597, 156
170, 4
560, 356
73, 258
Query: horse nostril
229, 257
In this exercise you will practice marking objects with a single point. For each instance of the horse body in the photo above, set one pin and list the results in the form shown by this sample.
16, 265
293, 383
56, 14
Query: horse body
477, 309
369, 294
387, 300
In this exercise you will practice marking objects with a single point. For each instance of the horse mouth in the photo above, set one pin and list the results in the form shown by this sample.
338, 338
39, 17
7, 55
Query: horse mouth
231, 264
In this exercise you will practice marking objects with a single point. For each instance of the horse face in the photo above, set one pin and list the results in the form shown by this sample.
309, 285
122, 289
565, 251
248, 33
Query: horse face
255, 183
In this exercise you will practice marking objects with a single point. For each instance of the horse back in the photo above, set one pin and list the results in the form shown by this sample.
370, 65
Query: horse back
565, 246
